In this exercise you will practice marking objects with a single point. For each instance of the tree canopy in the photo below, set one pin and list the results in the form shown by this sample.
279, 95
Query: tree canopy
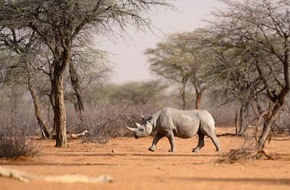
253, 42
60, 24
181, 58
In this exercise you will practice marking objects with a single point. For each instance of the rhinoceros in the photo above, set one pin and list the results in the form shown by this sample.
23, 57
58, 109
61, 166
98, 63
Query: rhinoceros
170, 122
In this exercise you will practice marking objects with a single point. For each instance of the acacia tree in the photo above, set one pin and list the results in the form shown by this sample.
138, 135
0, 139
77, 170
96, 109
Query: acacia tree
27, 57
181, 58
200, 55
233, 76
22, 48
59, 23
88, 65
264, 27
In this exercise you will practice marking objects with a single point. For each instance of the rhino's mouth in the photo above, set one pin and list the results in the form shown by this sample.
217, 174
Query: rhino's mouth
136, 136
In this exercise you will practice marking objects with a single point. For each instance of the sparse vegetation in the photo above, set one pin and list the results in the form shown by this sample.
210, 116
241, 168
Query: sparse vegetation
109, 121
248, 69
248, 150
14, 141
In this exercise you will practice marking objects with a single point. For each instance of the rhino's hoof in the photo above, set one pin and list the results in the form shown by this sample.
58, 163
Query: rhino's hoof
219, 151
196, 150
151, 149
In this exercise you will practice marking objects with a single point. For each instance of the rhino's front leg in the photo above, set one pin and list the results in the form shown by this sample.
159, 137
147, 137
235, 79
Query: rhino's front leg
157, 137
170, 137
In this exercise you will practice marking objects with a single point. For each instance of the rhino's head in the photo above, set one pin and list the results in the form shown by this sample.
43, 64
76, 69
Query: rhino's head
144, 129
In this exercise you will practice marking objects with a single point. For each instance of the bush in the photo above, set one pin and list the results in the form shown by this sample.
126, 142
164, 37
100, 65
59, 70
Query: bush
14, 147
14, 142
108, 121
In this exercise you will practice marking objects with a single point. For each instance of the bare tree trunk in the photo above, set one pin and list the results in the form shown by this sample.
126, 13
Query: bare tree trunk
268, 125
58, 67
74, 77
60, 114
37, 110
236, 123
198, 96
52, 100
183, 96
36, 101
241, 126
53, 132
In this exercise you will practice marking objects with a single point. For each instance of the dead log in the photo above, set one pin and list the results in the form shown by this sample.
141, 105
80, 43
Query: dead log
73, 178
72, 136
77, 135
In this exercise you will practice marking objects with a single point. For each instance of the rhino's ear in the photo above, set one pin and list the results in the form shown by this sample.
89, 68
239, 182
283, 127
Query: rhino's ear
132, 129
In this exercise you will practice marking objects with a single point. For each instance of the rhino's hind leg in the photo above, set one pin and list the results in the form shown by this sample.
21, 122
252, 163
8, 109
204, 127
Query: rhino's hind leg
215, 141
211, 134
200, 142
157, 137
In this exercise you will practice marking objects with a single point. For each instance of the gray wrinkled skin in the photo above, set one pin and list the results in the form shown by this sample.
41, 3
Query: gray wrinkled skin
170, 122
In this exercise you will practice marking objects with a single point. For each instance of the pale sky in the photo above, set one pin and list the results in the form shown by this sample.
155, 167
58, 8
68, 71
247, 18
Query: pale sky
127, 54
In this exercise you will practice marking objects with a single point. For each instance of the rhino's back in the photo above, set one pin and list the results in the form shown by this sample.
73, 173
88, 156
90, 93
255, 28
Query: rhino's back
184, 123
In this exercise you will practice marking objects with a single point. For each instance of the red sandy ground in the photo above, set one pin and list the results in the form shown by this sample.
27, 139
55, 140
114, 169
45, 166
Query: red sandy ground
132, 166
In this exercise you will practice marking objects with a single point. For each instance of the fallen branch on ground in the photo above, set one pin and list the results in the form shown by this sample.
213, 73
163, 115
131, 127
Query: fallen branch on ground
78, 135
225, 134
265, 153
246, 154
74, 178
73, 136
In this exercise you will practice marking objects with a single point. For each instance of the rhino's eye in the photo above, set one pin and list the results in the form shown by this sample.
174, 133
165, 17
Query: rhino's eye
141, 129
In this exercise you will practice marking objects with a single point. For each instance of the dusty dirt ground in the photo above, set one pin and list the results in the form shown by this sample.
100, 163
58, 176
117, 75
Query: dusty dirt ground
132, 166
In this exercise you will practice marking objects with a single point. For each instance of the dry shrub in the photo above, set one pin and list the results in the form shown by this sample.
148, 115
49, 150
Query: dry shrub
236, 155
14, 142
16, 146
107, 121
248, 150
247, 154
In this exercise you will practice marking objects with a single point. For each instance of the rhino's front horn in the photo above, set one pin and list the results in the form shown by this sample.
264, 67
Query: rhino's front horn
132, 129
